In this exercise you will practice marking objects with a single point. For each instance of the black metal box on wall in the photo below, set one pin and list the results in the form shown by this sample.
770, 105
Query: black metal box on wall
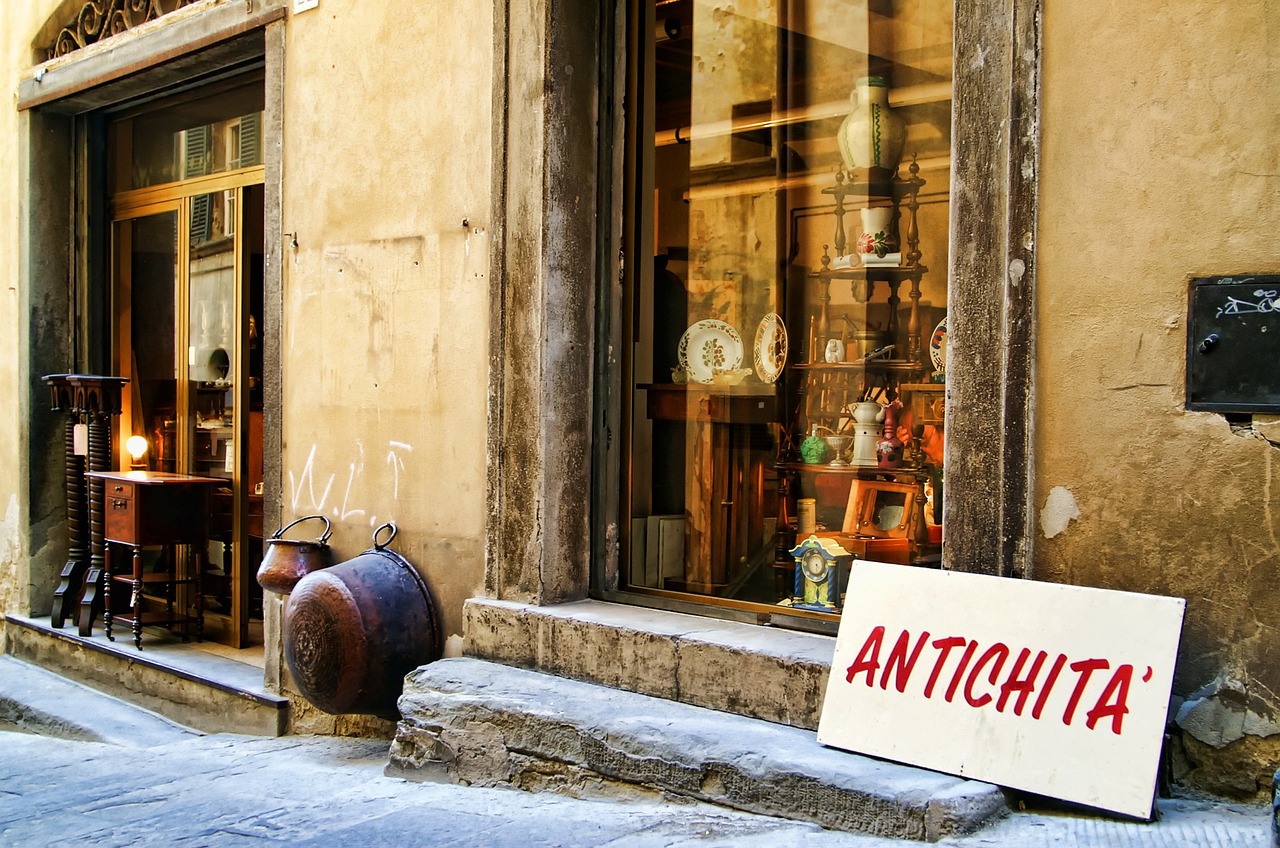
1233, 344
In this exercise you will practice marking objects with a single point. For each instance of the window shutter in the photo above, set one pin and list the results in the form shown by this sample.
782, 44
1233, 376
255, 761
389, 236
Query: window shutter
196, 164
251, 140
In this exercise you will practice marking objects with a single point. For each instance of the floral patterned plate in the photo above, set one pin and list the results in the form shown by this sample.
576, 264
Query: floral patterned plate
709, 347
938, 346
771, 348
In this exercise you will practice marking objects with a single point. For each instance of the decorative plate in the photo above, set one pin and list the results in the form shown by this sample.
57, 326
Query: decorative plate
771, 347
708, 347
938, 346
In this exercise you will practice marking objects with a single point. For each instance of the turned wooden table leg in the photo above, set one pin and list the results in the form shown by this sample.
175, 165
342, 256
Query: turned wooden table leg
71, 583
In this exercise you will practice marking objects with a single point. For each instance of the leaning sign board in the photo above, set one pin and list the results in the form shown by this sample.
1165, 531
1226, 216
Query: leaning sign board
1058, 690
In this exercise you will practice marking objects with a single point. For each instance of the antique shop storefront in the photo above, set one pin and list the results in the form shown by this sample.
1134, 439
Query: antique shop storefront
634, 315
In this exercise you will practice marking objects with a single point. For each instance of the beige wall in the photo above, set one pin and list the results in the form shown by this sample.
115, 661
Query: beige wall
18, 23
386, 151
1159, 163
387, 140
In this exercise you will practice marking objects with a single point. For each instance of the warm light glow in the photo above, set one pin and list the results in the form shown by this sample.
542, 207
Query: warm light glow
136, 446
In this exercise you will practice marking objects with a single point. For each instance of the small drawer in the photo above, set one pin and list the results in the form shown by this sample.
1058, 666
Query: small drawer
113, 489
118, 523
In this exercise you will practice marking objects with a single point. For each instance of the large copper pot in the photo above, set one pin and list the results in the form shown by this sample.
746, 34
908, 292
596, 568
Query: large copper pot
353, 631
286, 561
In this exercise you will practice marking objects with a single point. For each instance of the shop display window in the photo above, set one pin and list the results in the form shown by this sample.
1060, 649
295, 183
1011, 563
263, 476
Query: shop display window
786, 328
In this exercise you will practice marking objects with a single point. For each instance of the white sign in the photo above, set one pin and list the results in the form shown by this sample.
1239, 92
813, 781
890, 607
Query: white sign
1058, 690
304, 5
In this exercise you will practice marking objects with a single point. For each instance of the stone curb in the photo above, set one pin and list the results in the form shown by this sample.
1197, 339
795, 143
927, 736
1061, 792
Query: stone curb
480, 723
43, 702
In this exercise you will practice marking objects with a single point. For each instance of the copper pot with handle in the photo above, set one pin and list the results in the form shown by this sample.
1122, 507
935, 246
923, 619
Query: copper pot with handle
352, 632
286, 561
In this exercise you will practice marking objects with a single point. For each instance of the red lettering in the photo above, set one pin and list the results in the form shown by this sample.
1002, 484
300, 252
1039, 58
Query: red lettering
964, 662
944, 647
898, 657
1119, 687
868, 657
1085, 668
1054, 671
999, 649
1025, 686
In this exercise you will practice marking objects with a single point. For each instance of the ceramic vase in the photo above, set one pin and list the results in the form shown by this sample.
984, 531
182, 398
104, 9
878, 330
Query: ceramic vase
871, 137
875, 236
889, 448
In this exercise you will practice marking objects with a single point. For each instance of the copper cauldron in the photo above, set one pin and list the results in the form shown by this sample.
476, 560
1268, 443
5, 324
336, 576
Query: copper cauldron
353, 631
287, 561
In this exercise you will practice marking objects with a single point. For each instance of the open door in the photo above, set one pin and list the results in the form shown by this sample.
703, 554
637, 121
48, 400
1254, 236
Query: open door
187, 295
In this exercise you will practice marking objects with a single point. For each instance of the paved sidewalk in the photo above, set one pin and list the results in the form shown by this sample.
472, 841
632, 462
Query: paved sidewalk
120, 776
225, 790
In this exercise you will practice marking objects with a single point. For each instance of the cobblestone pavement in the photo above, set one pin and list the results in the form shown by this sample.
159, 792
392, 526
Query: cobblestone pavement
225, 790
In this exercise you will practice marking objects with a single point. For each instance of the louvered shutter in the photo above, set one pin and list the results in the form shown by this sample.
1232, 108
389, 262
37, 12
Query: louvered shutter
251, 140
199, 142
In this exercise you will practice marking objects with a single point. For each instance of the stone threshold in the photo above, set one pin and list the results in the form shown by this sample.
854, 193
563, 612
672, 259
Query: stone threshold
475, 722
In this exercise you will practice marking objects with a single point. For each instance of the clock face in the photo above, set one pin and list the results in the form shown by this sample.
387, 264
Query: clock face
815, 567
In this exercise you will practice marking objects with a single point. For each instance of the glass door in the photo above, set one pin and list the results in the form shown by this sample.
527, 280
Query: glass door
187, 282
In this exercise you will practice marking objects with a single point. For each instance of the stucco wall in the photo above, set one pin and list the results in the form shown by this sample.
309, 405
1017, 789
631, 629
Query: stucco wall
18, 23
1159, 163
387, 151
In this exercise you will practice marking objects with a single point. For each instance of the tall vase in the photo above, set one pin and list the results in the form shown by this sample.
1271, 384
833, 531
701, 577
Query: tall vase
889, 448
871, 137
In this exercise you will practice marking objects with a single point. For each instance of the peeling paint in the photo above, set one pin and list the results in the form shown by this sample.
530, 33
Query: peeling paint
1226, 711
10, 547
453, 645
1059, 510
1016, 269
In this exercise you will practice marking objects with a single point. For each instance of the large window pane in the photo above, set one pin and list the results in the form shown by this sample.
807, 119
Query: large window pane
787, 355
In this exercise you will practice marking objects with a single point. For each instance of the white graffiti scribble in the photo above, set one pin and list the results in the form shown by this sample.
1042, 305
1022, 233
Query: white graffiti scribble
303, 495
1270, 302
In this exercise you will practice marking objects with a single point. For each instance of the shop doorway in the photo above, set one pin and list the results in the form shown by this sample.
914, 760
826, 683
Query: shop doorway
186, 310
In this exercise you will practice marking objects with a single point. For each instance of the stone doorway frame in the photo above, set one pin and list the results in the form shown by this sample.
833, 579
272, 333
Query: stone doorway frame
58, 104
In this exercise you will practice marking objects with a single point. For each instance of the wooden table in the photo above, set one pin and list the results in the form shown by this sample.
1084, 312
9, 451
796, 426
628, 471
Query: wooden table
725, 477
155, 508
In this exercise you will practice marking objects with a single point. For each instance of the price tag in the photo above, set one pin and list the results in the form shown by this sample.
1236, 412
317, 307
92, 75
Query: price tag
80, 440
230, 465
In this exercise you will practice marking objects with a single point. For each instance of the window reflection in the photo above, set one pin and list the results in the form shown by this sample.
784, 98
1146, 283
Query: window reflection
794, 167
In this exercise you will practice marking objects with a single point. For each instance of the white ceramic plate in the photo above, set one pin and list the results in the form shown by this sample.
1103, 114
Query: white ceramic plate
938, 346
771, 348
708, 347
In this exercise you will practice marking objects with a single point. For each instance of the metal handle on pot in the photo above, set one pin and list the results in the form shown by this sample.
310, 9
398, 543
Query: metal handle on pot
324, 538
389, 525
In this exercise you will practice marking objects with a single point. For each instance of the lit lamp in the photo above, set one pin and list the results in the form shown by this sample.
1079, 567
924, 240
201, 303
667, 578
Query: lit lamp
137, 448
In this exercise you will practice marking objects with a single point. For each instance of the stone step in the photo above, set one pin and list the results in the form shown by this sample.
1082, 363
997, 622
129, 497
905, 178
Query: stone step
476, 722
181, 681
40, 701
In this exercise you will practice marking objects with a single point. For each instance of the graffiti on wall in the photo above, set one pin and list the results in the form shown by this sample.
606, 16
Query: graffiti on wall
357, 489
